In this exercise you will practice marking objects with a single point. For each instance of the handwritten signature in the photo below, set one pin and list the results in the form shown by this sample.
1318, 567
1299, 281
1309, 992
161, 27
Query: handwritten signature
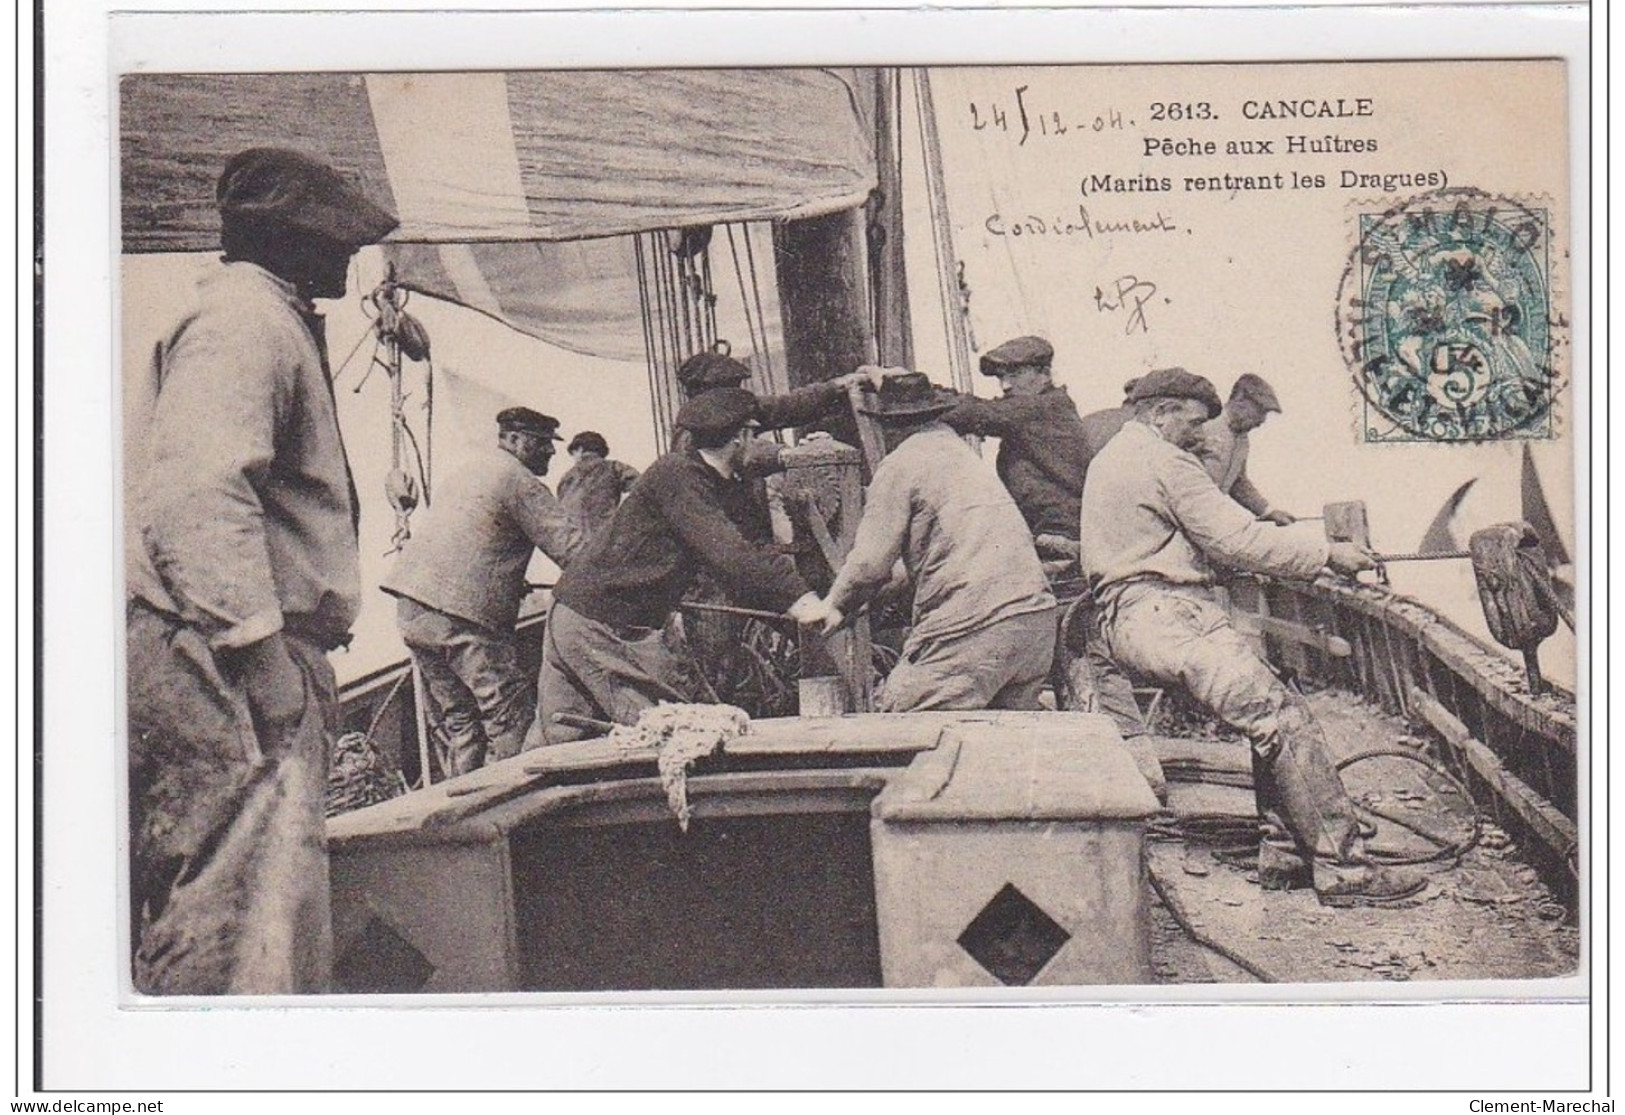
1131, 294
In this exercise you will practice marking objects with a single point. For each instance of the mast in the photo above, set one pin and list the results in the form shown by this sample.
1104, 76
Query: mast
822, 269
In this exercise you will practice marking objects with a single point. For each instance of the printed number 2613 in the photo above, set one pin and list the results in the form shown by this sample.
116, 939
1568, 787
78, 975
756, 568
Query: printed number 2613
1182, 110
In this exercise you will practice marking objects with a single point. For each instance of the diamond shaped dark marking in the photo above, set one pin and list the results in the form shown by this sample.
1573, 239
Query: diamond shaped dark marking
1013, 938
380, 959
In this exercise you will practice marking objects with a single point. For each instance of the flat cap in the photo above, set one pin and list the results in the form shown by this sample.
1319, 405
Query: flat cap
718, 411
526, 421
1249, 386
298, 191
1022, 352
590, 440
705, 370
1176, 383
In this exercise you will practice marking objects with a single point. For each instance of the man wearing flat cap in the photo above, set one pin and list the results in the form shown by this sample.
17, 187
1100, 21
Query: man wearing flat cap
1041, 440
716, 639
242, 573
1157, 525
1044, 452
592, 489
607, 655
1224, 445
460, 580
707, 371
983, 629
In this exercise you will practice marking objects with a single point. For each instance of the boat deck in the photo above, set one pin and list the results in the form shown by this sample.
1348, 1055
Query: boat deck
1488, 917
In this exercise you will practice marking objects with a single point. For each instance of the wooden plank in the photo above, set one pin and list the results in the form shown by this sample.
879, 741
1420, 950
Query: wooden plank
458, 798
1543, 819
1493, 676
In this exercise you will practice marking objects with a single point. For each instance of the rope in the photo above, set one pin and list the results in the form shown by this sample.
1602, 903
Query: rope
955, 294
355, 348
1177, 911
710, 297
680, 294
663, 336
1445, 850
378, 713
428, 430
651, 358
1437, 555
761, 376
761, 315
417, 454
682, 336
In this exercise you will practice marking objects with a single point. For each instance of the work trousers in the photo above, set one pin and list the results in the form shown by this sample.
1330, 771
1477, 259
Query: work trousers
603, 672
1087, 680
228, 863
1002, 665
1178, 634
478, 698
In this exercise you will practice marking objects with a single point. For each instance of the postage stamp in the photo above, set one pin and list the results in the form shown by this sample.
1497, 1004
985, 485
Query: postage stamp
1446, 319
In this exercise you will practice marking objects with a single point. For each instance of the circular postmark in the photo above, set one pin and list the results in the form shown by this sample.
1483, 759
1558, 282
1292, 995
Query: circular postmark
1445, 319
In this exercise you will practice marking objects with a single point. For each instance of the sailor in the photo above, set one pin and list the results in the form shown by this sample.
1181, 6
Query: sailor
461, 578
1224, 444
1043, 453
707, 371
242, 574
1041, 439
719, 640
1155, 525
606, 655
983, 627
592, 488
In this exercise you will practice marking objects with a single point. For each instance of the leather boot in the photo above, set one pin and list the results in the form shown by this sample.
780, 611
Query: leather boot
1364, 884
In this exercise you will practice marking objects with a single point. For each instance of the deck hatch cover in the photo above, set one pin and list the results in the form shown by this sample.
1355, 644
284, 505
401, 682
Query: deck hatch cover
1013, 938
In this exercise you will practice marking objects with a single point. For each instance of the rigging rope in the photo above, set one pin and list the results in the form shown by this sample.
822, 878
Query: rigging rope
761, 316
955, 293
653, 344
677, 307
745, 305
401, 337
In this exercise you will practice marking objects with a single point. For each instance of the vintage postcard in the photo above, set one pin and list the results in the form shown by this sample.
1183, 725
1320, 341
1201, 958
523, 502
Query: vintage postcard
1002, 533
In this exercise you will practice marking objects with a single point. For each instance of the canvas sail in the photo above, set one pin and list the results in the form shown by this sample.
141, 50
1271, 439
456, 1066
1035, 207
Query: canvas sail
516, 191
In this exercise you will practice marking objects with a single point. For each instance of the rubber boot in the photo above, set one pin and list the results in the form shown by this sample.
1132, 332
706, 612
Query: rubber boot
1280, 864
1317, 811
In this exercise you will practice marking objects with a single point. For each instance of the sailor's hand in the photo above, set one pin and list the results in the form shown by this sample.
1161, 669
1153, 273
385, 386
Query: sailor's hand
274, 685
1350, 558
1057, 547
1279, 518
809, 610
762, 456
874, 375
833, 618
